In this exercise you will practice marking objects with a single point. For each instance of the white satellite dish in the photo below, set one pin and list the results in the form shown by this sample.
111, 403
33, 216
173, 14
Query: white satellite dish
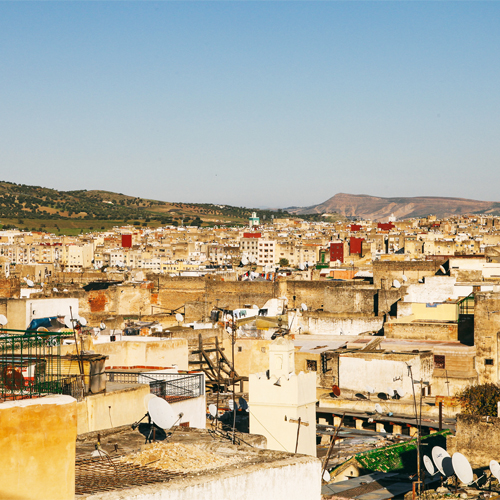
462, 468
244, 261
404, 278
179, 317
212, 409
3, 320
82, 321
326, 476
147, 398
429, 466
442, 460
378, 408
401, 393
396, 284
161, 413
30, 283
301, 267
442, 269
495, 469
232, 405
391, 392
55, 290
369, 389
303, 307
255, 306
102, 326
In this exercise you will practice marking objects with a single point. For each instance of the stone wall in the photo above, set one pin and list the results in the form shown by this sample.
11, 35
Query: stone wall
413, 270
421, 331
478, 438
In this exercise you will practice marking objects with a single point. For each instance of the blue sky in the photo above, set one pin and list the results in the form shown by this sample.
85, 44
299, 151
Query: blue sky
252, 103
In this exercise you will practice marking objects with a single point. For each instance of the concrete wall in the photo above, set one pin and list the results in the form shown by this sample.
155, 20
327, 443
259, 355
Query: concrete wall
413, 270
477, 438
383, 371
195, 411
37, 439
112, 409
418, 311
297, 478
142, 351
321, 323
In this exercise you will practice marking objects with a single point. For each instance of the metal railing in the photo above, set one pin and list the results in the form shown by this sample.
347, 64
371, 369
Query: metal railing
30, 365
169, 386
466, 305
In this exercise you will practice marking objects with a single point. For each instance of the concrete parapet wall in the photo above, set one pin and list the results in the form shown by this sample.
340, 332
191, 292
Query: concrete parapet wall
421, 331
37, 439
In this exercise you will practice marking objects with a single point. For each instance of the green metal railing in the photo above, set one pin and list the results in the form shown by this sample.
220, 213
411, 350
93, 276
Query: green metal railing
30, 365
466, 305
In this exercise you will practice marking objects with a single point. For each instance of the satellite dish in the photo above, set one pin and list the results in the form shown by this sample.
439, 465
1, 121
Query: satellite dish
179, 317
369, 389
401, 393
232, 405
462, 468
303, 307
82, 321
255, 306
383, 396
3, 320
442, 460
429, 466
242, 403
161, 413
360, 396
405, 278
212, 409
30, 283
378, 408
147, 398
443, 270
102, 326
495, 469
55, 290
391, 392
326, 476
244, 261
301, 267
336, 390
396, 284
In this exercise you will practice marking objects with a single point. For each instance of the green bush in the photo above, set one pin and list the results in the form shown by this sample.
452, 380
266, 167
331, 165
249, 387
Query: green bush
480, 400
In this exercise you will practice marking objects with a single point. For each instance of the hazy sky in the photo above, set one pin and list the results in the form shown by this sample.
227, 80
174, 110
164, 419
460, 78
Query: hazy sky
252, 103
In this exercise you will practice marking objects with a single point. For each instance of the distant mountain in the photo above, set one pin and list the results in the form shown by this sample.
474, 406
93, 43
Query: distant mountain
376, 208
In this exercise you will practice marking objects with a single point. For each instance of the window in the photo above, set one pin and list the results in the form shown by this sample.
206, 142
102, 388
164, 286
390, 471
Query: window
312, 365
439, 362
263, 349
240, 348
488, 362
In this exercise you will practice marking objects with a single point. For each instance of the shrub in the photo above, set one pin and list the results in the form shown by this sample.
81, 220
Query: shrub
480, 400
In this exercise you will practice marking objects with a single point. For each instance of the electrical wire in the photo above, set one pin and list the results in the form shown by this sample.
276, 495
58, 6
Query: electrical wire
265, 428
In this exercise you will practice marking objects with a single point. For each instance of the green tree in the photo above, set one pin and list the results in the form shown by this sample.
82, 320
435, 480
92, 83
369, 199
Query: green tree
283, 262
480, 400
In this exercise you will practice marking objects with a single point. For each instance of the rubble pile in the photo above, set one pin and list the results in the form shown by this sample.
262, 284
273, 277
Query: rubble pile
178, 457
